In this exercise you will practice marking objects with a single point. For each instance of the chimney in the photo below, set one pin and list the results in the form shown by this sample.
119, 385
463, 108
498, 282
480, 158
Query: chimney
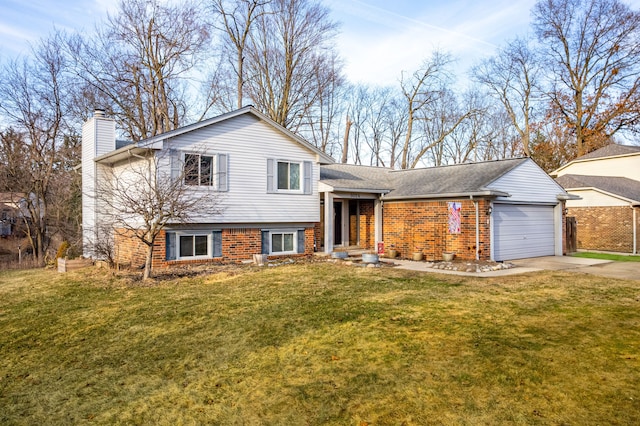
98, 138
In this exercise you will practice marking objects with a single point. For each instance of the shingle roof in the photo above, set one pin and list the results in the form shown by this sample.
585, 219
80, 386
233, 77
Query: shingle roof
351, 177
466, 178
459, 179
621, 186
610, 150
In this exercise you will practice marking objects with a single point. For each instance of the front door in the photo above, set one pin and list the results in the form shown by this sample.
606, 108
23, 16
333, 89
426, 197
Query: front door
337, 223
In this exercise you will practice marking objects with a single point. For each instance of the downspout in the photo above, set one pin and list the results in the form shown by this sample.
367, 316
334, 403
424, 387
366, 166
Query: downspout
635, 235
475, 204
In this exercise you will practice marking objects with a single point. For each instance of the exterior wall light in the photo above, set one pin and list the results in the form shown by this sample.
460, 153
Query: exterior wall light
489, 210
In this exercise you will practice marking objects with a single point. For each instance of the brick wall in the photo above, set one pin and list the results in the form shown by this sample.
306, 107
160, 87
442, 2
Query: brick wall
130, 251
423, 226
238, 244
367, 225
605, 228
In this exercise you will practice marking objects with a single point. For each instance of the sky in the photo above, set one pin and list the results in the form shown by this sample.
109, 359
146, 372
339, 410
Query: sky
378, 39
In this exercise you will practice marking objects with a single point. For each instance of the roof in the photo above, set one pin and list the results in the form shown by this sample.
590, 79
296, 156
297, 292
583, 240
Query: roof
349, 177
434, 182
608, 151
611, 150
11, 197
619, 186
448, 181
153, 142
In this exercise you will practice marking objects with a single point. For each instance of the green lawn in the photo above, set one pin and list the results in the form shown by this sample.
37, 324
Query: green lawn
318, 344
607, 256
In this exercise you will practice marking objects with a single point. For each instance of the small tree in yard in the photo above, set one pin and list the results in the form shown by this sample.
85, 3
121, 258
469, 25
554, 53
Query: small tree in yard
143, 195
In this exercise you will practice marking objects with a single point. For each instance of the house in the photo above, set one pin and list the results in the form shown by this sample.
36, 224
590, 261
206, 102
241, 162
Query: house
608, 183
278, 195
264, 177
11, 211
498, 210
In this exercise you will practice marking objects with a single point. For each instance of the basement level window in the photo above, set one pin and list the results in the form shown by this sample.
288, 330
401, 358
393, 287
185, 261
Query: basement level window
194, 245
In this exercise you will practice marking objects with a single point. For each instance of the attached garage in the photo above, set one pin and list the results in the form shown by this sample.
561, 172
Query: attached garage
493, 210
523, 230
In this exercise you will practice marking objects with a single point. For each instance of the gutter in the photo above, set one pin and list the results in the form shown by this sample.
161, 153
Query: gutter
132, 150
487, 193
368, 191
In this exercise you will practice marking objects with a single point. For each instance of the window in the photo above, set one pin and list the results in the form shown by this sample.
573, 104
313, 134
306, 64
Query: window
198, 170
193, 244
288, 176
283, 241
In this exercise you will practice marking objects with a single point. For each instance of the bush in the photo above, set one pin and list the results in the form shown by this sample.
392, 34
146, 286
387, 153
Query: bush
62, 251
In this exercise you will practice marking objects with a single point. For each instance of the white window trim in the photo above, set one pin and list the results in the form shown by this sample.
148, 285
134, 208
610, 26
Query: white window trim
207, 234
300, 176
214, 169
294, 232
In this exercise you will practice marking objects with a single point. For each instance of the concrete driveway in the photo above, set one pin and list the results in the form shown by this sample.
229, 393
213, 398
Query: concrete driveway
605, 268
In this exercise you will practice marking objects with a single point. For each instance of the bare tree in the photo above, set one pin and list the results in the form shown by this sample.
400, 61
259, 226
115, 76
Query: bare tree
237, 18
423, 87
141, 197
39, 149
438, 120
511, 77
594, 57
291, 59
140, 64
466, 121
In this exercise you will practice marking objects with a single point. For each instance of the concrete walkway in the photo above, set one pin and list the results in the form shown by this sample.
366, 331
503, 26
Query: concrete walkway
606, 268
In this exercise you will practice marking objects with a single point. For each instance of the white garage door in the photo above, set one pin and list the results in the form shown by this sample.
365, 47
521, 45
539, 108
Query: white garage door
522, 231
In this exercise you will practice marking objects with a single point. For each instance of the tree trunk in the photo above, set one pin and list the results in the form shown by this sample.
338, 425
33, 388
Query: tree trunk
345, 143
147, 263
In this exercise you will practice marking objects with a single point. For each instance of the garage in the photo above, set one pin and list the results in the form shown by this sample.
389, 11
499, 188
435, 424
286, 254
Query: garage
523, 230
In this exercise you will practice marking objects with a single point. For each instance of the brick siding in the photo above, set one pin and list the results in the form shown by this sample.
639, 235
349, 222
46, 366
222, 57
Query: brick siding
423, 226
605, 228
238, 244
367, 225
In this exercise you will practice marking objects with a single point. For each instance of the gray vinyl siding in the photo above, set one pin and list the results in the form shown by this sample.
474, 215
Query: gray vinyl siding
528, 183
248, 143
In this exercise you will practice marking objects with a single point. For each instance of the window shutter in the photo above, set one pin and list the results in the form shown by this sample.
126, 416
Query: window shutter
223, 176
217, 243
301, 241
308, 171
265, 242
176, 164
170, 245
270, 177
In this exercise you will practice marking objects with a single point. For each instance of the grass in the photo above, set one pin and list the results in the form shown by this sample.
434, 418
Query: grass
319, 344
607, 256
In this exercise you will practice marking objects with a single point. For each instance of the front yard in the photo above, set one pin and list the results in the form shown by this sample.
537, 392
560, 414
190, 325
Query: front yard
318, 344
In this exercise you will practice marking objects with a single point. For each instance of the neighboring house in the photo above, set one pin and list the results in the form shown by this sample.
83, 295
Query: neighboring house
265, 179
608, 184
11, 211
497, 210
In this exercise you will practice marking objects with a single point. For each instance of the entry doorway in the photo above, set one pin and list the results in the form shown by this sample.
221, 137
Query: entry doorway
337, 223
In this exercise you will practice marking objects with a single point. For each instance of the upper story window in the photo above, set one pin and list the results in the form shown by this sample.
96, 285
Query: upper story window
198, 170
292, 177
210, 170
288, 176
